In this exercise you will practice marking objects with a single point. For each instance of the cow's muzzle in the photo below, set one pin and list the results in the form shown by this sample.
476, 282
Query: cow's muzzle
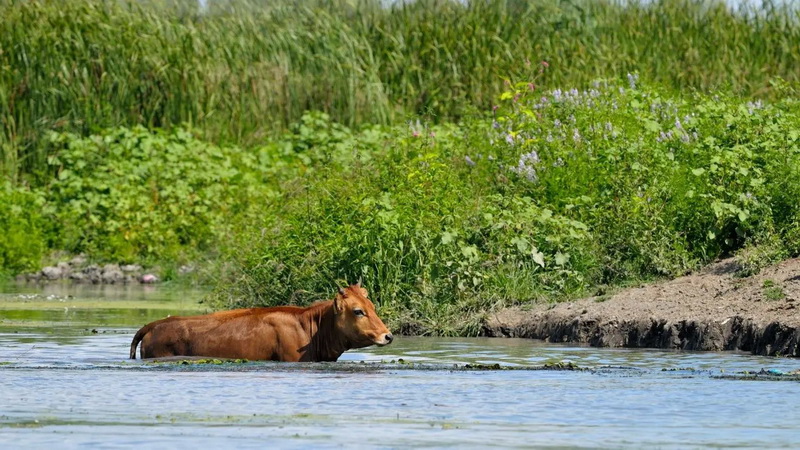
386, 339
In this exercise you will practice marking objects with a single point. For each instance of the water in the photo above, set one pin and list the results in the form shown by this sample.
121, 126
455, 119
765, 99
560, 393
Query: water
65, 381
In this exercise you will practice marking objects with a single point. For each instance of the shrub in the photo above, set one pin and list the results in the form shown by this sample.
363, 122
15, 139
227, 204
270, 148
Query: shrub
129, 194
24, 231
550, 194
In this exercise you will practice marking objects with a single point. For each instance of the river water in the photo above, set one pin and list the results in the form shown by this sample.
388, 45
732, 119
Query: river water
66, 382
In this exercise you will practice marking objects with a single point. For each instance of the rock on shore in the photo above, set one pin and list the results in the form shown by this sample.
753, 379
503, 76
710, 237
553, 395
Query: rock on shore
709, 310
77, 271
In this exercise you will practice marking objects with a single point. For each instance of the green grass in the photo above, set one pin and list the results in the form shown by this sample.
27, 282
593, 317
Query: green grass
773, 291
246, 68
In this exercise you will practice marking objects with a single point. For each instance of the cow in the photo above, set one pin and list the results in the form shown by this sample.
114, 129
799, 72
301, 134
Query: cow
320, 332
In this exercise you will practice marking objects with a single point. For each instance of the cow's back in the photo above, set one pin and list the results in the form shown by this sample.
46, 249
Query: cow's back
254, 334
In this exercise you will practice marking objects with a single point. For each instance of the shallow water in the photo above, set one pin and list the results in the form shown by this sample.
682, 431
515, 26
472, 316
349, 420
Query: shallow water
65, 381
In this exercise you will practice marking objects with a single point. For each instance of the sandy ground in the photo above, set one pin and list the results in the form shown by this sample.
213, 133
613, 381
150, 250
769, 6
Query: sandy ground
708, 310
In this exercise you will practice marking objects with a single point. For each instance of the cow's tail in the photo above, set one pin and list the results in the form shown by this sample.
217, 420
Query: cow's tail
138, 338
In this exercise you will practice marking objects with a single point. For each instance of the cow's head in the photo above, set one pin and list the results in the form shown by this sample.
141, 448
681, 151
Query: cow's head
357, 320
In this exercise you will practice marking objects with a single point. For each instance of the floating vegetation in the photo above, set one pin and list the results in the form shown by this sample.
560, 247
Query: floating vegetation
195, 361
181, 363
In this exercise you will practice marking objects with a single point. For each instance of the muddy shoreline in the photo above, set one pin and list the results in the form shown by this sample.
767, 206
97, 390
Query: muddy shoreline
711, 310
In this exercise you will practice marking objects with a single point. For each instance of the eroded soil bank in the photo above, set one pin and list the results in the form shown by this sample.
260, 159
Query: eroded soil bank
709, 310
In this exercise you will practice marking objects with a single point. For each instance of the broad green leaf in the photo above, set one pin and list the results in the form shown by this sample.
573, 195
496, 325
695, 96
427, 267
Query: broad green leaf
652, 125
538, 257
447, 237
561, 258
743, 215
521, 243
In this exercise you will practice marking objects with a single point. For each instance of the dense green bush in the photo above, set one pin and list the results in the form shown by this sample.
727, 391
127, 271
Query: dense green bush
404, 218
554, 193
129, 194
23, 229
664, 181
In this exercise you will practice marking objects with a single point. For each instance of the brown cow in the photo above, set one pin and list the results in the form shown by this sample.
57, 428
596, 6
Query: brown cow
321, 332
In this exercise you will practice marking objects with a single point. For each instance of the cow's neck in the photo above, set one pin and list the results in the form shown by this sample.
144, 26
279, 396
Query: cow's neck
327, 344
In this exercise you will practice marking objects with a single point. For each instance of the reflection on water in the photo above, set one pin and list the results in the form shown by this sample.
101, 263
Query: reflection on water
63, 309
65, 381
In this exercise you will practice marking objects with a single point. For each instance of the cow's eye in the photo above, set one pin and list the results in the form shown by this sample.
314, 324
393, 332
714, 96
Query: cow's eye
359, 312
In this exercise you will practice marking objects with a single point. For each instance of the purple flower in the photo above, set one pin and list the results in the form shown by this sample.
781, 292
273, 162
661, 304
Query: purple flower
526, 171
531, 157
469, 161
632, 79
753, 106
416, 128
525, 166
664, 136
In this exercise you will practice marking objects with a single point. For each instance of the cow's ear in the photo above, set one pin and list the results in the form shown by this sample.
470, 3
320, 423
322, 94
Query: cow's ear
337, 301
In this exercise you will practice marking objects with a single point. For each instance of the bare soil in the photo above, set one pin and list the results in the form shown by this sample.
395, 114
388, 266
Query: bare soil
709, 310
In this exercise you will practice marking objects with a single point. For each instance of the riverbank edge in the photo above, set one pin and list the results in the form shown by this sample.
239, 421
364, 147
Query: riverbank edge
736, 333
712, 310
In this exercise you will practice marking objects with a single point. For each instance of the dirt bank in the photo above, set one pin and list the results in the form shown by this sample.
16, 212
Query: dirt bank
708, 310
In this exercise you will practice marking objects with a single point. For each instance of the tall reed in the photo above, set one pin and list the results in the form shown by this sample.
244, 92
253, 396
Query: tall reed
242, 69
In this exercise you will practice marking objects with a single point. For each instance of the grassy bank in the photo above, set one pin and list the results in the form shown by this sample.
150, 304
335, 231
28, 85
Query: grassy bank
553, 194
244, 69
558, 194
441, 166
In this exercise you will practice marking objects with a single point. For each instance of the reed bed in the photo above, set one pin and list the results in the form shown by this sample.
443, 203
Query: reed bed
241, 70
